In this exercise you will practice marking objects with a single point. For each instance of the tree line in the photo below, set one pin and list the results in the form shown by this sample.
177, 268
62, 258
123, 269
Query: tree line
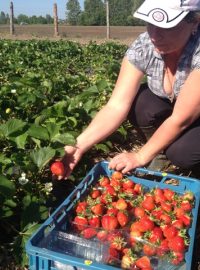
24, 19
93, 13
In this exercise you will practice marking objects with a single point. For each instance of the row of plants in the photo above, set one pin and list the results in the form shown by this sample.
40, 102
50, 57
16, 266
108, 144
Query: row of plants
49, 92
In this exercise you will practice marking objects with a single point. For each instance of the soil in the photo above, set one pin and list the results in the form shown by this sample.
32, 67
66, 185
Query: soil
82, 34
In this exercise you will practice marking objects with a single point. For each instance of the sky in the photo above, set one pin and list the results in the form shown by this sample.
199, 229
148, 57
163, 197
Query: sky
35, 7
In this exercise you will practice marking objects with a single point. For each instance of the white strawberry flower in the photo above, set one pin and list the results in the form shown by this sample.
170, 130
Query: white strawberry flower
23, 180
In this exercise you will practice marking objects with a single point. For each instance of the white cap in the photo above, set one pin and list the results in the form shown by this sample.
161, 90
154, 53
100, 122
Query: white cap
165, 13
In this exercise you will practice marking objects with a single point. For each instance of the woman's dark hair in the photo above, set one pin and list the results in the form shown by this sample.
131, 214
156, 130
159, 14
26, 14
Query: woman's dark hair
192, 17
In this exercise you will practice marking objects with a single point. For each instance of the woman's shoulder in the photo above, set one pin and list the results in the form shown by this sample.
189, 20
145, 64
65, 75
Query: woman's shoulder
141, 52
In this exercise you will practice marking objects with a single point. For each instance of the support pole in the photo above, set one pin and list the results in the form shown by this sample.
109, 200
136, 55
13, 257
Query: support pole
56, 34
12, 30
107, 20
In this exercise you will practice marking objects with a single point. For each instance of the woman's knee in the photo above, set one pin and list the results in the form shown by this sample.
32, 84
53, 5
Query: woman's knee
148, 109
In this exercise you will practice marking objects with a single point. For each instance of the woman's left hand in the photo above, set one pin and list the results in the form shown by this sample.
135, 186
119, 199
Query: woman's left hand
126, 162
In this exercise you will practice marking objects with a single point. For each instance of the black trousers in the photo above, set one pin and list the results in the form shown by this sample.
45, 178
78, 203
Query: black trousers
149, 110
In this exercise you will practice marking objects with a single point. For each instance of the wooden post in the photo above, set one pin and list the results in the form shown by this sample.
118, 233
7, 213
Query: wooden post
107, 20
12, 30
55, 20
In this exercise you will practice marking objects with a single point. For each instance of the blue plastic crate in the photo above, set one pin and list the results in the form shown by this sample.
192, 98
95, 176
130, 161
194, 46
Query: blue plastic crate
47, 249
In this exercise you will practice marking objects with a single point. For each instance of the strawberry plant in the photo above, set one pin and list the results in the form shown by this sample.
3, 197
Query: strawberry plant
49, 93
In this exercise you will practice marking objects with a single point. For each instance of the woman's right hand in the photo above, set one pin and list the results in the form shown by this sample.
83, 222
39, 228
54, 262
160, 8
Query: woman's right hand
72, 156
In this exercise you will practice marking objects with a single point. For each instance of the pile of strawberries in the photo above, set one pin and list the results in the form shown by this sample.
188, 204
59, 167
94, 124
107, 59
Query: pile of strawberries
138, 223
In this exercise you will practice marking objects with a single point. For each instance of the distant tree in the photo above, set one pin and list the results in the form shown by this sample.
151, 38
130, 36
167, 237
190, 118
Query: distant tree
94, 13
8, 18
41, 20
135, 21
49, 19
73, 12
120, 10
3, 19
33, 19
22, 18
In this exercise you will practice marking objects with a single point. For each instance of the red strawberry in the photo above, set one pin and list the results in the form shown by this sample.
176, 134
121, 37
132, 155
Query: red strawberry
109, 222
139, 212
135, 226
80, 222
117, 175
112, 211
169, 194
98, 209
81, 207
177, 257
137, 188
95, 193
110, 190
159, 195
143, 262
166, 206
170, 232
121, 204
177, 244
146, 224
148, 203
186, 206
106, 198
128, 183
104, 181
165, 218
149, 250
186, 220
163, 247
102, 235
94, 222
88, 233
178, 223
179, 212
156, 213
134, 236
122, 218
57, 168
115, 183
156, 235
118, 243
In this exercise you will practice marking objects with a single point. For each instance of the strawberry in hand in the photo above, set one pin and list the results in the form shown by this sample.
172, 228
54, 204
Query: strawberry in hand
57, 168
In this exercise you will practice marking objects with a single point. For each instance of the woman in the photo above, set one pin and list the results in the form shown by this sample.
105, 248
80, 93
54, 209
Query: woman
169, 55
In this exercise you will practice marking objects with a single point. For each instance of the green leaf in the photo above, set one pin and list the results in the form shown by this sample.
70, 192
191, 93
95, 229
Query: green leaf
38, 132
72, 121
11, 126
102, 147
122, 131
10, 203
53, 130
4, 159
31, 228
42, 156
6, 212
7, 188
38, 212
102, 84
21, 140
65, 138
